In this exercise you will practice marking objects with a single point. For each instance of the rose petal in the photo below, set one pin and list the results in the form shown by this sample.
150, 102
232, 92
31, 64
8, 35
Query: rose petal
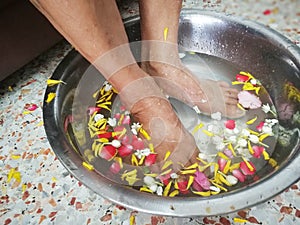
31, 107
115, 167
202, 180
125, 150
245, 168
230, 124
92, 110
105, 135
150, 159
126, 120
137, 143
260, 126
239, 175
242, 78
182, 185
258, 150
222, 163
108, 152
248, 100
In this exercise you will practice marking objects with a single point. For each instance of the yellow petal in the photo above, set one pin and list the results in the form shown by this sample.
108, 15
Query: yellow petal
196, 128
88, 166
188, 172
145, 134
263, 136
132, 220
222, 155
266, 155
272, 162
202, 193
190, 182
51, 82
227, 166
167, 189
50, 97
145, 189
168, 153
248, 164
166, 33
250, 148
210, 134
249, 122
167, 164
239, 220
231, 149
193, 166
174, 193
134, 160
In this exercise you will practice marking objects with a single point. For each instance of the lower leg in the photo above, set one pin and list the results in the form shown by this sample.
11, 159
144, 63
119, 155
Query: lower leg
160, 59
95, 29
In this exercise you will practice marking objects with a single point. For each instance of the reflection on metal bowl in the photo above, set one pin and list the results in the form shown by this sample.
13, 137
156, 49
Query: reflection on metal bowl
273, 59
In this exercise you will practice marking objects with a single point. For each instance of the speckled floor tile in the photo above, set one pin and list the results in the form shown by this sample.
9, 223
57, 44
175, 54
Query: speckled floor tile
37, 189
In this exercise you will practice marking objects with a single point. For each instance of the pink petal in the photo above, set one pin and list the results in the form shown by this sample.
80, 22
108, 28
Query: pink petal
228, 153
241, 78
150, 159
165, 179
260, 126
117, 116
69, 119
246, 170
108, 152
125, 150
137, 143
31, 107
126, 120
115, 168
257, 150
202, 180
122, 108
248, 100
92, 110
230, 124
126, 140
222, 163
239, 175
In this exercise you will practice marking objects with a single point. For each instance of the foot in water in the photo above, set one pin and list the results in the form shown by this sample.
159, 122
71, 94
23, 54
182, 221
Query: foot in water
209, 96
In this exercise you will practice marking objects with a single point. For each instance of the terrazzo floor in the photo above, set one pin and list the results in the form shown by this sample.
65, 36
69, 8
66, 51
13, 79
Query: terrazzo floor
37, 189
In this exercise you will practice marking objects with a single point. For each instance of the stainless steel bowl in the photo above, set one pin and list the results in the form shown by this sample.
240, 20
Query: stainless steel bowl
272, 58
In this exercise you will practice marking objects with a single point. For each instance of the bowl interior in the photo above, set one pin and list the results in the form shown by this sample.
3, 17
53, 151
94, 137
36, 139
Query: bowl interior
215, 46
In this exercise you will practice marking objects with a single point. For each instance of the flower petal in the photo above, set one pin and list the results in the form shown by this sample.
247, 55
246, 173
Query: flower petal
108, 152
150, 159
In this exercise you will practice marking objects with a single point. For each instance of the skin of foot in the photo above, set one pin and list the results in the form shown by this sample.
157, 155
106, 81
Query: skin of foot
160, 59
95, 29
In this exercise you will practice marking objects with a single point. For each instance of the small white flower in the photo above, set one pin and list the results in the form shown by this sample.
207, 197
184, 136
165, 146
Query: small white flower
107, 86
253, 81
266, 108
181, 55
153, 187
116, 143
245, 132
267, 130
98, 117
232, 139
197, 110
135, 127
173, 175
217, 140
214, 188
112, 122
232, 179
216, 116
159, 191
242, 142
146, 151
149, 180
253, 138
220, 146
236, 130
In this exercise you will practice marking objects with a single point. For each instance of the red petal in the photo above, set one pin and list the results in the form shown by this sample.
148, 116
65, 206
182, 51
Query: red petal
125, 150
108, 152
182, 185
260, 126
242, 78
105, 135
150, 159
239, 175
165, 179
267, 12
115, 168
230, 124
246, 170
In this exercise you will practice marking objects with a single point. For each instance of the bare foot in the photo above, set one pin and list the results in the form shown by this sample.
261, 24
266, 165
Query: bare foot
150, 107
208, 95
